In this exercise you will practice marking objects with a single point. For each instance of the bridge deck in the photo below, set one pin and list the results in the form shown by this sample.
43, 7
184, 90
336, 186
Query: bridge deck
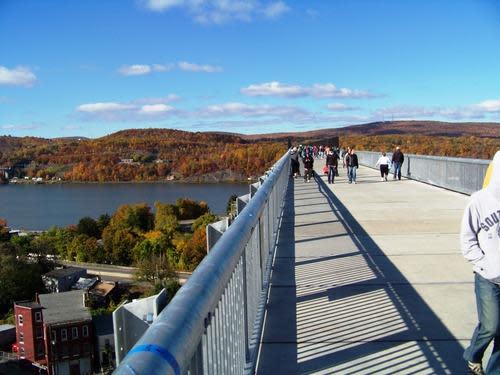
368, 279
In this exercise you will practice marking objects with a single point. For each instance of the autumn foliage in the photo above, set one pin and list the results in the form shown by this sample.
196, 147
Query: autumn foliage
466, 147
142, 155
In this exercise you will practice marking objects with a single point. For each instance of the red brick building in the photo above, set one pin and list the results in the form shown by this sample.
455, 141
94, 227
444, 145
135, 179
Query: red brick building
56, 333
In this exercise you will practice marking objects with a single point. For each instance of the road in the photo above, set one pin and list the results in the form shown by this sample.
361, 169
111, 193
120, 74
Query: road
116, 273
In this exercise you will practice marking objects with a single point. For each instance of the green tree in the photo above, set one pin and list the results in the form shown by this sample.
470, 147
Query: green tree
155, 268
59, 238
134, 217
88, 227
231, 204
85, 249
102, 222
22, 244
166, 218
19, 279
203, 221
190, 209
118, 244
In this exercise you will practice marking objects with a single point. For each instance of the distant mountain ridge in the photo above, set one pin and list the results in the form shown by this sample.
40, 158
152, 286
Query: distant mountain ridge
430, 128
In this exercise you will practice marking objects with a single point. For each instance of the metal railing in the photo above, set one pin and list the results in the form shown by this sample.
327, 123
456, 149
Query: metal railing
457, 174
214, 323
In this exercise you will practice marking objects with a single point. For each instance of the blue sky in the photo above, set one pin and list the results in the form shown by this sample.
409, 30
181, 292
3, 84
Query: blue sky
93, 67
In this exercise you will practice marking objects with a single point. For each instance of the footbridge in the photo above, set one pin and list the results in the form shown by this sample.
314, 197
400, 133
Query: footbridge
322, 278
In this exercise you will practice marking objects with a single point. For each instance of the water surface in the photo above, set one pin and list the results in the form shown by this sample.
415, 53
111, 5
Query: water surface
38, 207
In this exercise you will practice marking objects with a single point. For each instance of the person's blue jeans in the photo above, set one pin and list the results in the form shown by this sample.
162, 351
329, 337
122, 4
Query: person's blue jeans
397, 169
488, 328
331, 174
351, 173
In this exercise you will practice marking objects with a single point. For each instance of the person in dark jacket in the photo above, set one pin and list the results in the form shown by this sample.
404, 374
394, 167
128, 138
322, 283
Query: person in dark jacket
332, 164
397, 161
308, 166
352, 165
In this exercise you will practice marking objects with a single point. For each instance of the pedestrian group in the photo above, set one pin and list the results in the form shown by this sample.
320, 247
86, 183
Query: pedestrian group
308, 154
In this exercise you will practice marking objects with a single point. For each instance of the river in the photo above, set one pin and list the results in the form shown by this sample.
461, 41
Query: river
38, 207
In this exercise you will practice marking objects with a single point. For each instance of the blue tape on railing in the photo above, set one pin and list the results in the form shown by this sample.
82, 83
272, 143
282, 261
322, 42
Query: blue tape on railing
162, 352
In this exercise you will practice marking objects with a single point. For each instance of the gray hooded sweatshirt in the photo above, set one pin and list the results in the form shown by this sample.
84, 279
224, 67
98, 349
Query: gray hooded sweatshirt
480, 231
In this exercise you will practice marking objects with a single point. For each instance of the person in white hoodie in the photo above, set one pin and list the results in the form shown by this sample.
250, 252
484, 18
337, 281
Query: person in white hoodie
384, 163
480, 243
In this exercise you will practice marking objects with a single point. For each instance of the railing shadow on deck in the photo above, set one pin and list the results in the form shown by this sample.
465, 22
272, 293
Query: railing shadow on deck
353, 311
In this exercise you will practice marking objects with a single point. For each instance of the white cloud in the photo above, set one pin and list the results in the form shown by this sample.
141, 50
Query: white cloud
143, 69
134, 70
103, 107
340, 107
136, 110
221, 11
312, 12
19, 126
248, 110
19, 76
489, 105
418, 112
165, 100
276, 9
190, 67
318, 90
155, 109
162, 5
162, 67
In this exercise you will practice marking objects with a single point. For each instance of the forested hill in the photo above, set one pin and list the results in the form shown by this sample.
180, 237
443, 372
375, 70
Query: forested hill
428, 128
163, 154
142, 155
469, 140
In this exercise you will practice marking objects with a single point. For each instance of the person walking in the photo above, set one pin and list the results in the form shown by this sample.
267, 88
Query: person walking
294, 158
397, 161
344, 157
352, 165
332, 164
308, 166
384, 163
336, 153
480, 245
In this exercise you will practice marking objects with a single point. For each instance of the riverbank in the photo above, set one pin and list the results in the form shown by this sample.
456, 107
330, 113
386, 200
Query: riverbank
211, 178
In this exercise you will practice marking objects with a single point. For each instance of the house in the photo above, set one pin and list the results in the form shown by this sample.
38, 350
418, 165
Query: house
61, 279
85, 283
7, 336
102, 293
55, 333
104, 342
132, 319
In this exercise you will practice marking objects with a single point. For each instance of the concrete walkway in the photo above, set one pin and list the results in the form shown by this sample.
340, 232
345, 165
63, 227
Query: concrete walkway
368, 279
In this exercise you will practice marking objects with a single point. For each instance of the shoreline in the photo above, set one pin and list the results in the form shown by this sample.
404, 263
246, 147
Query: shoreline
165, 182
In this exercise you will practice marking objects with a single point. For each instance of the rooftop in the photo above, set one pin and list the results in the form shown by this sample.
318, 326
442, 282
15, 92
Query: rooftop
63, 272
28, 304
6, 327
64, 307
85, 283
103, 288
